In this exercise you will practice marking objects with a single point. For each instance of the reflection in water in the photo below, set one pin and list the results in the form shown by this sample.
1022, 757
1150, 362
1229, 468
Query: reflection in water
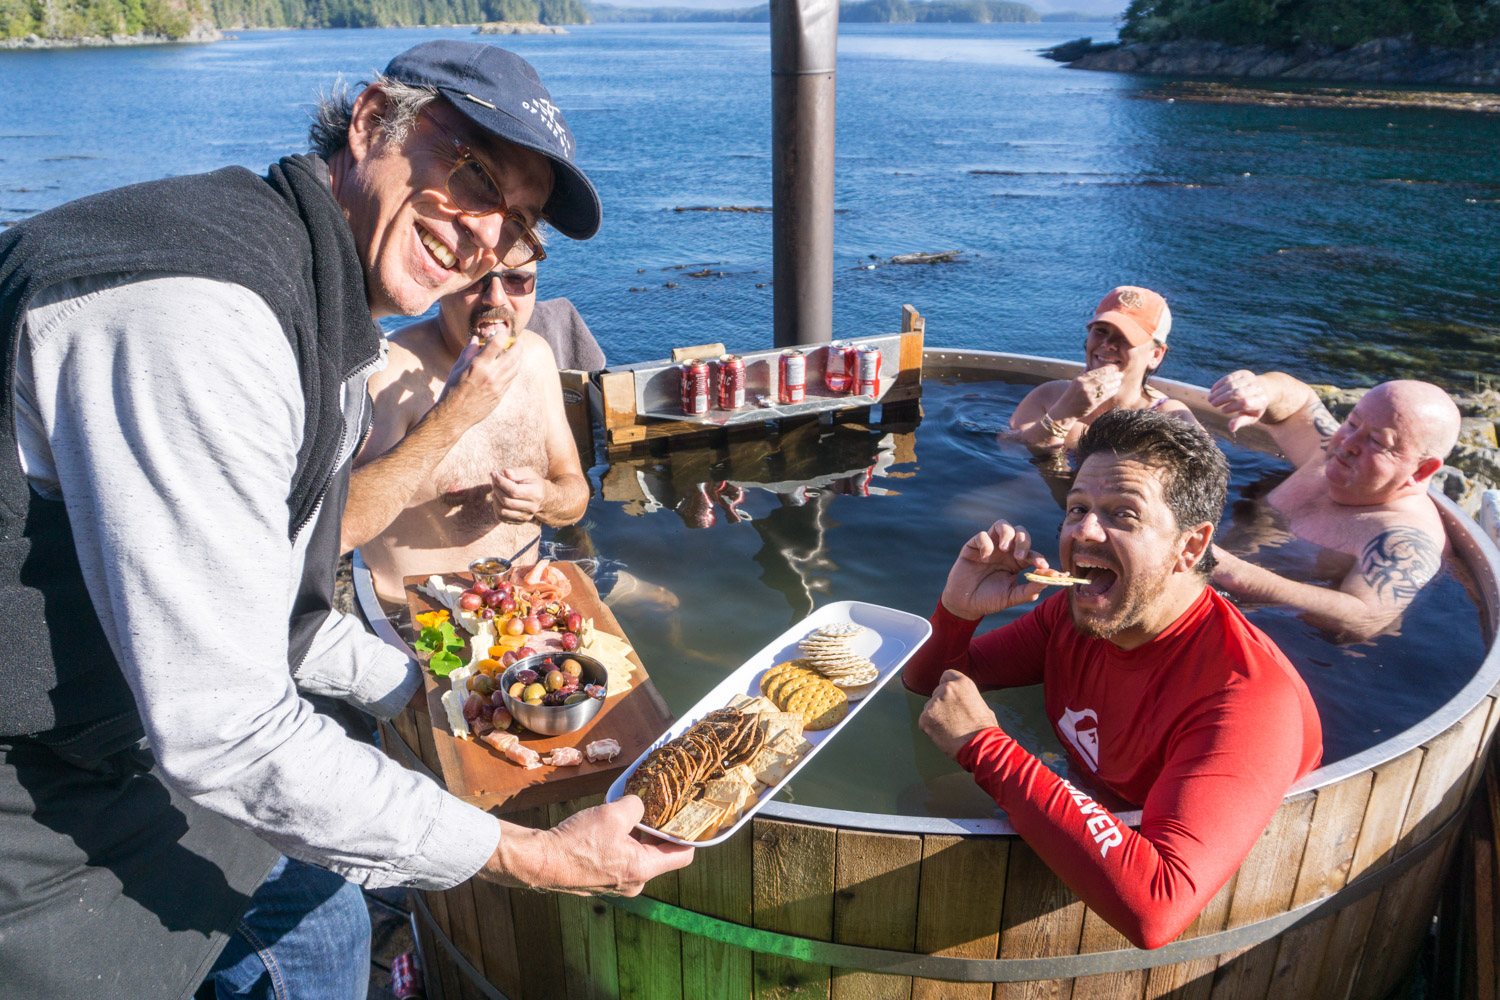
825, 525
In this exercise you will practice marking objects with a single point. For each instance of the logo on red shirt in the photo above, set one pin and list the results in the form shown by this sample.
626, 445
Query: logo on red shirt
1082, 730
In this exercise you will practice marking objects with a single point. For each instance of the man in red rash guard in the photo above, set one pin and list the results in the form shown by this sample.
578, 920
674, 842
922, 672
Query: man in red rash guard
1160, 689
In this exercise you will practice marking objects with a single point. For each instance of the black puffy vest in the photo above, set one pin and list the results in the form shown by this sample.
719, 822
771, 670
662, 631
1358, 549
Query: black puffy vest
284, 237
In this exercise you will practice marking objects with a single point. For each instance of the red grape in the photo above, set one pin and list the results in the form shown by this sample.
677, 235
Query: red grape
545, 620
487, 614
470, 601
514, 626
531, 625
493, 598
569, 641
507, 604
575, 621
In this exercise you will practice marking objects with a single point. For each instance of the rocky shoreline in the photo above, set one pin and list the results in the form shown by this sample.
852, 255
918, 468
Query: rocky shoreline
1383, 60
1471, 477
201, 33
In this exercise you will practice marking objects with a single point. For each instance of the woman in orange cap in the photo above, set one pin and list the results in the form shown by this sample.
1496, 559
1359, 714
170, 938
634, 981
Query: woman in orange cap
1127, 341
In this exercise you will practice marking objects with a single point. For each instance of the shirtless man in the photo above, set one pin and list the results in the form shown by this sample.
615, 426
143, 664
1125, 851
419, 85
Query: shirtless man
1360, 490
470, 451
1126, 343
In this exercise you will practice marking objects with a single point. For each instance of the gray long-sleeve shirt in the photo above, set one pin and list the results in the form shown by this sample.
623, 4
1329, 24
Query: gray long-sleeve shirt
166, 411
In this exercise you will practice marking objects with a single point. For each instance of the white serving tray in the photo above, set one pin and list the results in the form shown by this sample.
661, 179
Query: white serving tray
889, 639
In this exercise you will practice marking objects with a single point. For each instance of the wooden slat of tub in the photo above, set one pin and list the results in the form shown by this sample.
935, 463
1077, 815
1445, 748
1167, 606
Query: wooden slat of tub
1445, 775
1435, 796
876, 880
1098, 935
718, 883
437, 904
429, 949
793, 883
538, 929
1337, 817
425, 747
1390, 791
971, 869
587, 926
497, 936
1413, 900
1481, 858
463, 931
405, 724
1263, 888
649, 954
1042, 919
1486, 742
1193, 980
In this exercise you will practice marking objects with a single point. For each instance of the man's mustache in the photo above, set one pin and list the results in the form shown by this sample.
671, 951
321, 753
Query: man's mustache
491, 315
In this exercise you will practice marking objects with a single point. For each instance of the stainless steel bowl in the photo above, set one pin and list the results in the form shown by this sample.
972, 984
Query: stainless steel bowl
489, 570
552, 720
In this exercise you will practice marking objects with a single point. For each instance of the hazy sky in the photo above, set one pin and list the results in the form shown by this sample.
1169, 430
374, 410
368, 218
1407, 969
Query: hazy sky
1105, 9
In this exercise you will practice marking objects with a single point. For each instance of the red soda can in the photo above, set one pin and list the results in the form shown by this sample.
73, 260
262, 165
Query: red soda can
695, 388
867, 372
406, 978
729, 374
793, 376
838, 369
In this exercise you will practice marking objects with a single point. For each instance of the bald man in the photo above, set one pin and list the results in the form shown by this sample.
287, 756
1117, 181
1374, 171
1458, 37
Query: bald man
1360, 489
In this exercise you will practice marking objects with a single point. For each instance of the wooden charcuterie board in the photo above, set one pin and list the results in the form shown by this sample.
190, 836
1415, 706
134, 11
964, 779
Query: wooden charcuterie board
482, 776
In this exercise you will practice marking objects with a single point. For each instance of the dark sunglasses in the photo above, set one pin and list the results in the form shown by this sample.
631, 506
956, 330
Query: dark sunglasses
513, 282
476, 194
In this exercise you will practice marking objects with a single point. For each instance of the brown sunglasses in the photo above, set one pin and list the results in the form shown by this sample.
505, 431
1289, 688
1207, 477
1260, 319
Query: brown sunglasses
476, 194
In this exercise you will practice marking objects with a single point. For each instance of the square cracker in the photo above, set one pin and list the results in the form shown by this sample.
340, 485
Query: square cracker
771, 765
790, 743
693, 819
740, 701
786, 721
758, 705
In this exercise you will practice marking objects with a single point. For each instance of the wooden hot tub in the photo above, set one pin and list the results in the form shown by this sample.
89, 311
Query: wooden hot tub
1333, 901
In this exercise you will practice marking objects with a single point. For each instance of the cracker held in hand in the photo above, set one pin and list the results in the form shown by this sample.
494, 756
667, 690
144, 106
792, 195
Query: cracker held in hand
1054, 578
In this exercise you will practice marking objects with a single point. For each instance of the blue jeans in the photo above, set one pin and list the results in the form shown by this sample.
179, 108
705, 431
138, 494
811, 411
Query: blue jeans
306, 936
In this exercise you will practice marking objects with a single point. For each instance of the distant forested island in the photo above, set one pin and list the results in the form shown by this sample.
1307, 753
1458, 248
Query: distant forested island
147, 20
1454, 42
1285, 23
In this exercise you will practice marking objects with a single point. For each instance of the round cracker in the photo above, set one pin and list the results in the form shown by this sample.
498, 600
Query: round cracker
840, 628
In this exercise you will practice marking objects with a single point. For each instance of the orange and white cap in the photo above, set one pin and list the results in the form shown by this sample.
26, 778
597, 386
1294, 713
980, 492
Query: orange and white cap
1139, 313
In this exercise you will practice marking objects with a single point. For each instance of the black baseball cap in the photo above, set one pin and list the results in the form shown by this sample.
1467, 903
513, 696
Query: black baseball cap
500, 92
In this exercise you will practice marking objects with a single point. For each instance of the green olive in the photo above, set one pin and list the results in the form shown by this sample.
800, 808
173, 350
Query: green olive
572, 666
575, 698
533, 691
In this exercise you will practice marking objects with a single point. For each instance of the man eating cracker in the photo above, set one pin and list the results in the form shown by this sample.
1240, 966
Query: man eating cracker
1165, 696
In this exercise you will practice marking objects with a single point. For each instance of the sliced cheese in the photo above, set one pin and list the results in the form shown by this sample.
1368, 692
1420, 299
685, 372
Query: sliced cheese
453, 706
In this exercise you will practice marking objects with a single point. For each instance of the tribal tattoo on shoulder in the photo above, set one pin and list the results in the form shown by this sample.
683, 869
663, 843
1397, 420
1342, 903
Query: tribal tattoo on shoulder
1399, 562
1323, 422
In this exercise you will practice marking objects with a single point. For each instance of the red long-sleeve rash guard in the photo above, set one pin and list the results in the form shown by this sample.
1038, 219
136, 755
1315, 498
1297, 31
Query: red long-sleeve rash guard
1205, 726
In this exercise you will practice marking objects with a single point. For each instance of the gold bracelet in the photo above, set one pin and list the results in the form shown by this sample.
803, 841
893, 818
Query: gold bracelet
1051, 427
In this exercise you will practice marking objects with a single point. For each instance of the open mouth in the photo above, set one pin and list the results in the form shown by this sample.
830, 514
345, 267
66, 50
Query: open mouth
1101, 579
438, 250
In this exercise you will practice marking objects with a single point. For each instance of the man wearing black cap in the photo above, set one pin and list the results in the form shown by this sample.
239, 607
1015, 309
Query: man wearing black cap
186, 386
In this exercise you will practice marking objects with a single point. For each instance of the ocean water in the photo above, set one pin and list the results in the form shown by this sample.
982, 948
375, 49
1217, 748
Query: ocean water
1342, 245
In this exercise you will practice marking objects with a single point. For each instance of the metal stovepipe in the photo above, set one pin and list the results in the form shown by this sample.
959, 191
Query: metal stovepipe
804, 47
